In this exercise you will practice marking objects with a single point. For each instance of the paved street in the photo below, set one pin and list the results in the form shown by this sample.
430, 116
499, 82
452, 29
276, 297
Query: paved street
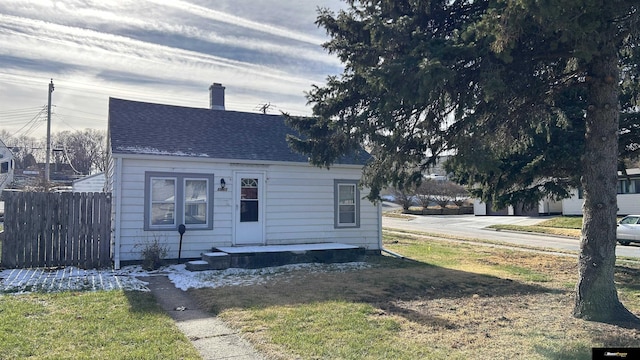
471, 226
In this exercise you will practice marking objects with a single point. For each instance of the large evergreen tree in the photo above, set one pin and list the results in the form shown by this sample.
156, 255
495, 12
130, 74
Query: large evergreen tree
526, 94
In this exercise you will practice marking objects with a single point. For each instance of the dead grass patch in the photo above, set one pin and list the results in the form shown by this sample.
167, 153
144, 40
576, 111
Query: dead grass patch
455, 302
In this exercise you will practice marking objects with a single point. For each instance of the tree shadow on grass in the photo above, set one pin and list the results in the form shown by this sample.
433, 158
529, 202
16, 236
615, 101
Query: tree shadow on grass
628, 278
385, 284
452, 307
143, 302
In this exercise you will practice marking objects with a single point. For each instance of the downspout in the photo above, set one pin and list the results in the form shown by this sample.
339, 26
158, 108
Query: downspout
380, 226
118, 199
382, 249
394, 254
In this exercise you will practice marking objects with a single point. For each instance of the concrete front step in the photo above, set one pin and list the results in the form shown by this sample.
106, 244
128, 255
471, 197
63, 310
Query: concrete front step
210, 261
253, 257
218, 260
197, 265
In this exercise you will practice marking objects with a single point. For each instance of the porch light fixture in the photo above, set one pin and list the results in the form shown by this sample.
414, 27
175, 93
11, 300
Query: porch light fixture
223, 185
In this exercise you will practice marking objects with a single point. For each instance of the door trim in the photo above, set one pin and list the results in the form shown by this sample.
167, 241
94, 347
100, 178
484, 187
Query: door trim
262, 188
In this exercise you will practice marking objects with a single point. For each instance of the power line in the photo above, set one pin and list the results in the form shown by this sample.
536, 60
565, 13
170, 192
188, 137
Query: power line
64, 151
80, 111
17, 116
35, 126
19, 111
140, 95
58, 117
32, 124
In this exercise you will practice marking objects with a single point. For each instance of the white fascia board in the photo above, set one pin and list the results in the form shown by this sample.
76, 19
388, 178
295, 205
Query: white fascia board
223, 160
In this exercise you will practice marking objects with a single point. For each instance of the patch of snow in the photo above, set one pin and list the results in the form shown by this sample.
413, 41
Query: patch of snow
153, 151
216, 254
184, 279
18, 281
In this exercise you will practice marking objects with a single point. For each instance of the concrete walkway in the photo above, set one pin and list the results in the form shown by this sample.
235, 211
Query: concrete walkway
209, 335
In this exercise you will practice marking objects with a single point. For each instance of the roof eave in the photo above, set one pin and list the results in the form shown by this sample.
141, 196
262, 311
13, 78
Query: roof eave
159, 157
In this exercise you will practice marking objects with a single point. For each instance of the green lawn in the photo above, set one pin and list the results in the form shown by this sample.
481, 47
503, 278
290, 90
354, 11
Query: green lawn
451, 301
89, 325
565, 222
561, 225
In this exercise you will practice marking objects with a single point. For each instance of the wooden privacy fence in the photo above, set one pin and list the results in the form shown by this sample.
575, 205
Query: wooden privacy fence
56, 229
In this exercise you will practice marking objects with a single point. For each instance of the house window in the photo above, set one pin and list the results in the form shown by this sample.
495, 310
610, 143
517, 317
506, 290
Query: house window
172, 199
631, 186
249, 200
4, 167
163, 202
346, 203
195, 201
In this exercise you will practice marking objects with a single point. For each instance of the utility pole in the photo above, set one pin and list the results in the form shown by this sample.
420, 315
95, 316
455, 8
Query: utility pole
47, 173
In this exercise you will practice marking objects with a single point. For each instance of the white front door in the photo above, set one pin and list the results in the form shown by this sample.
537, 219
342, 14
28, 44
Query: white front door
249, 208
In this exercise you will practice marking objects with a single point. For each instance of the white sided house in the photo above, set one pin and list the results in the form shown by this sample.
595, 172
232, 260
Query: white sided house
230, 178
6, 166
628, 195
628, 201
91, 183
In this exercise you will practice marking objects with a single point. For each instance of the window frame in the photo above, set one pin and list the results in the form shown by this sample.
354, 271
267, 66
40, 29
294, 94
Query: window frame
628, 186
186, 202
180, 204
151, 202
337, 183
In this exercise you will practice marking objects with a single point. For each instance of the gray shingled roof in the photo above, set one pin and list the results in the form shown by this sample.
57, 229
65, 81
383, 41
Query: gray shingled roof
146, 128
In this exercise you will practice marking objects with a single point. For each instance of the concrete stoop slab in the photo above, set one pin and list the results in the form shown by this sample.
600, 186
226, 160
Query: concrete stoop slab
253, 257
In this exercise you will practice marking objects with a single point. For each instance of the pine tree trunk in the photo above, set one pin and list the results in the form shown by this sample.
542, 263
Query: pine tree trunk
596, 295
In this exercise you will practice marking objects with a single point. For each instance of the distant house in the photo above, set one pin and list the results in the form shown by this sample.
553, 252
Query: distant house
544, 207
7, 166
628, 201
91, 183
628, 195
230, 178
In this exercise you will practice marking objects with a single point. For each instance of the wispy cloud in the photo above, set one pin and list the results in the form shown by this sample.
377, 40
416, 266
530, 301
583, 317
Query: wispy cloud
233, 20
164, 51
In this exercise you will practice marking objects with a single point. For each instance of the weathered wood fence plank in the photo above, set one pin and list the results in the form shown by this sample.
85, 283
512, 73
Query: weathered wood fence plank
56, 229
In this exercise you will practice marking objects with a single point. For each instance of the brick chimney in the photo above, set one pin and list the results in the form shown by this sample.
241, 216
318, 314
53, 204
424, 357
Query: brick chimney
216, 96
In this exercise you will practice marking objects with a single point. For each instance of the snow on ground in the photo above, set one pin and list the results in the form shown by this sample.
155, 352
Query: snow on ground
16, 281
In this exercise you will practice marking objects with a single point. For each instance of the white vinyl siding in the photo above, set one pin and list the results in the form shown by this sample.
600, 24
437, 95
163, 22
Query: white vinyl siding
627, 204
92, 183
299, 206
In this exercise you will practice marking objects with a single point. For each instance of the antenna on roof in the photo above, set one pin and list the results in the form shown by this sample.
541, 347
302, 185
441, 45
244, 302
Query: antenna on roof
265, 107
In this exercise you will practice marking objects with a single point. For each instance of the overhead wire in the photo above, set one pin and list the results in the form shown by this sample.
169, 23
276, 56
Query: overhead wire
61, 119
141, 95
15, 116
31, 125
66, 155
20, 111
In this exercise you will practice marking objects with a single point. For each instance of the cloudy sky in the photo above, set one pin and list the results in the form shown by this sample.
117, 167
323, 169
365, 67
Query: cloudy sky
164, 51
